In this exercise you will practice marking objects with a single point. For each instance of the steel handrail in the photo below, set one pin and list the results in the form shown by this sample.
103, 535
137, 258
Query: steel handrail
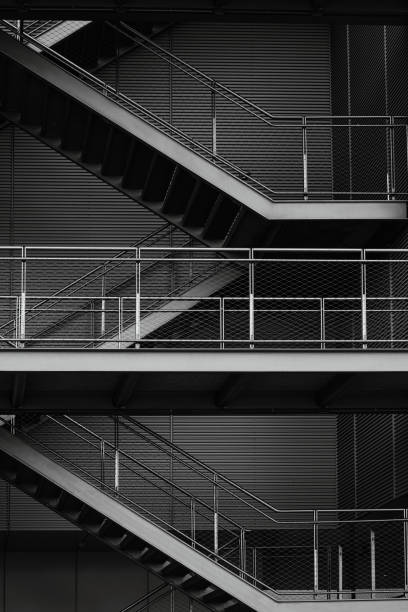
165, 127
147, 596
137, 462
229, 93
194, 459
175, 448
167, 228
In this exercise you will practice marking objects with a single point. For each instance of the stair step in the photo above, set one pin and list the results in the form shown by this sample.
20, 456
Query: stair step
89, 518
116, 154
96, 135
138, 166
55, 108
48, 493
200, 205
221, 219
179, 192
74, 129
158, 179
8, 468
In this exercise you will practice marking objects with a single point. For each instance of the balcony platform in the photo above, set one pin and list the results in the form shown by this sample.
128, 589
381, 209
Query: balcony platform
209, 361
202, 382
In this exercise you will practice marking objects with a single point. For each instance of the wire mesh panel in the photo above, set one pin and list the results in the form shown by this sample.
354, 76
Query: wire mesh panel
157, 297
293, 554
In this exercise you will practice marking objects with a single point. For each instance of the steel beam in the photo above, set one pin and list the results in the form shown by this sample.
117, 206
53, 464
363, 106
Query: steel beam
335, 388
229, 390
18, 390
301, 11
124, 390
15, 360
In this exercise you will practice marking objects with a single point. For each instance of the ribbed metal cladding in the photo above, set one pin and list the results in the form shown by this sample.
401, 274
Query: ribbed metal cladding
288, 461
6, 197
283, 68
346, 461
372, 459
53, 201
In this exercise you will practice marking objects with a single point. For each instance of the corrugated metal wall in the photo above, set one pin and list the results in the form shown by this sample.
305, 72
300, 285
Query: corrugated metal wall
288, 461
283, 68
372, 459
47, 199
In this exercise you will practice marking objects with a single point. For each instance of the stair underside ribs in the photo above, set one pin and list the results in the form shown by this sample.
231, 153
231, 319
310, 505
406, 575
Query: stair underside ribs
132, 165
61, 498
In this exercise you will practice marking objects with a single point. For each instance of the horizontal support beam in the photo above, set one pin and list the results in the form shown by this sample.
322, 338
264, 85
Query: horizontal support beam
301, 11
229, 390
133, 360
334, 389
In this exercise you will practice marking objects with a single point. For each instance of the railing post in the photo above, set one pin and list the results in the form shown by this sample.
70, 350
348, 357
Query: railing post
315, 552
23, 296
103, 301
13, 424
372, 562
137, 313
322, 324
214, 118
20, 27
305, 162
364, 298
120, 317
340, 570
391, 157
222, 323
193, 522
215, 495
251, 300
117, 454
406, 552
172, 599
242, 554
102, 458
254, 563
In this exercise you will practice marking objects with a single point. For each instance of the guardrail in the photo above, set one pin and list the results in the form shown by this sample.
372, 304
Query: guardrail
292, 554
193, 298
320, 157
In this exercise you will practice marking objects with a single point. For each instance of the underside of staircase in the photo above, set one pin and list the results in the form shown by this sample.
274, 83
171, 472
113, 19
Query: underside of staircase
122, 529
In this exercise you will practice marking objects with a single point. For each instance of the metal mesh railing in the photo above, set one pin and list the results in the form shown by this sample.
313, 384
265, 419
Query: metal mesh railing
320, 157
194, 298
296, 554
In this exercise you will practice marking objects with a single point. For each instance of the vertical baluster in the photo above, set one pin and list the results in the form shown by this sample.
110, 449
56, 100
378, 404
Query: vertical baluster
102, 459
215, 495
406, 552
340, 570
117, 475
214, 118
242, 553
193, 522
222, 322
322, 324
372, 562
23, 296
305, 161
392, 157
251, 300
103, 301
315, 552
137, 313
364, 298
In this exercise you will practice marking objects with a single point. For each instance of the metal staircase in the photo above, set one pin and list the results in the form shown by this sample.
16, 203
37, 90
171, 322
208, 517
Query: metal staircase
131, 148
194, 528
126, 525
